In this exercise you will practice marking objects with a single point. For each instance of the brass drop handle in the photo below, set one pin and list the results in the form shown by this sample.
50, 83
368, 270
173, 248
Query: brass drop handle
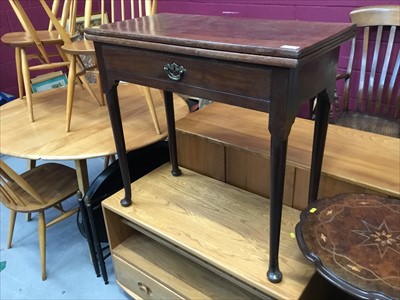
143, 288
174, 71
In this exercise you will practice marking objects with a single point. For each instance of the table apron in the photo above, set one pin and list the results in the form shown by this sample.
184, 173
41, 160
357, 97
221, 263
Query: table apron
242, 84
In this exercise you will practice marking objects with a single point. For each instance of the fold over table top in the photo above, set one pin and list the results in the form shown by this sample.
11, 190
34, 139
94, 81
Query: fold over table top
288, 39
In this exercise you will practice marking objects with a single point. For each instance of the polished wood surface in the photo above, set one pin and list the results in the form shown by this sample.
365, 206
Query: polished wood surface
91, 134
357, 157
353, 241
260, 37
206, 219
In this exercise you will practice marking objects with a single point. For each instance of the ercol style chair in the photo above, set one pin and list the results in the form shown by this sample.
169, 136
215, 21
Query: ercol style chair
119, 10
31, 38
371, 96
90, 217
37, 190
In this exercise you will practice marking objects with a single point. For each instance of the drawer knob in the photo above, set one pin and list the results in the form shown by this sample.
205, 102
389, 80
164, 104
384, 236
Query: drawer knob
143, 288
174, 71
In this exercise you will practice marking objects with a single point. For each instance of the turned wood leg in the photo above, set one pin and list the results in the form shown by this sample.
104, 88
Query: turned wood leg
70, 92
82, 174
18, 64
150, 104
27, 83
42, 243
169, 111
11, 225
31, 165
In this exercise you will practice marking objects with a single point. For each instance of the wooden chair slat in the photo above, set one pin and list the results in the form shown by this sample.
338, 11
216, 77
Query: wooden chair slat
372, 74
372, 103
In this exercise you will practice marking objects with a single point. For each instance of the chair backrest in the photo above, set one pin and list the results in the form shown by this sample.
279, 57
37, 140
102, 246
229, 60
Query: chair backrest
12, 186
376, 53
121, 10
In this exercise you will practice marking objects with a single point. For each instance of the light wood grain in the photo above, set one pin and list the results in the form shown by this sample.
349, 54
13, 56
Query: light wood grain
91, 134
173, 271
223, 225
363, 159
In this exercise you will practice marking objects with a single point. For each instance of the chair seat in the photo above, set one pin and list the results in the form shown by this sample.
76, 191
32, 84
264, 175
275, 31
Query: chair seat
369, 123
82, 47
62, 184
23, 39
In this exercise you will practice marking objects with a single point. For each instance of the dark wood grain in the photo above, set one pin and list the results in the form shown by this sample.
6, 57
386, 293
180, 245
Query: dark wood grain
240, 35
353, 241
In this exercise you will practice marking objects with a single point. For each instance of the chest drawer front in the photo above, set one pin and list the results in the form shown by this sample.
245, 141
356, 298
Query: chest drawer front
203, 76
139, 283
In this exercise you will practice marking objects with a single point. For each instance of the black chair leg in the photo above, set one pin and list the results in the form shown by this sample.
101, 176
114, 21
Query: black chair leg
97, 245
88, 233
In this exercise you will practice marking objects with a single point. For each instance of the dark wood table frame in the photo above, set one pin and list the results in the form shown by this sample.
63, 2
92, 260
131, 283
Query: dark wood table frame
267, 65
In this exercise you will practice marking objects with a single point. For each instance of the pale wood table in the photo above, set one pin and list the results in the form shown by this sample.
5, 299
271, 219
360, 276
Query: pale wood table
90, 135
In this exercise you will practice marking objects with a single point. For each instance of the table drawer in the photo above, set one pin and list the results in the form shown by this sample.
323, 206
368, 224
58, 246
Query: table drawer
139, 283
203, 77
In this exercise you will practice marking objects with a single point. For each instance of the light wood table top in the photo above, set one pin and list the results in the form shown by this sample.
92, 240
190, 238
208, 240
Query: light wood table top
91, 134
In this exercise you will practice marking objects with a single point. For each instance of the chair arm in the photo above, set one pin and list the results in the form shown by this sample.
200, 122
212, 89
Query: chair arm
342, 76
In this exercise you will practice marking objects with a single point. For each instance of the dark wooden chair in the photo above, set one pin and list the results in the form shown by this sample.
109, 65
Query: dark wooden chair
371, 93
90, 217
37, 190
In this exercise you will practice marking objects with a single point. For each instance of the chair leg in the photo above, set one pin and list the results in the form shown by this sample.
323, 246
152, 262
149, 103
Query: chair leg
150, 104
31, 165
18, 64
98, 81
27, 83
70, 91
97, 245
108, 159
42, 243
11, 225
89, 236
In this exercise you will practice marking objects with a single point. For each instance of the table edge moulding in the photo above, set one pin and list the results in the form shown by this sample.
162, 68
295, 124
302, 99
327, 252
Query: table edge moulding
267, 65
352, 239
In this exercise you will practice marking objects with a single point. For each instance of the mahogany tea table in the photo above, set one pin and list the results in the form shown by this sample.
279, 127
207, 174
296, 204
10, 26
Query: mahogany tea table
266, 65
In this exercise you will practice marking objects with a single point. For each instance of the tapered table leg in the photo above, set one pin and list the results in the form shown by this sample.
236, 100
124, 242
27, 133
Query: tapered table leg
320, 130
278, 163
118, 132
169, 111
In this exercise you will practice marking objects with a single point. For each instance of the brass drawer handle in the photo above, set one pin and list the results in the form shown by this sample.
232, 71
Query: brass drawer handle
174, 71
143, 288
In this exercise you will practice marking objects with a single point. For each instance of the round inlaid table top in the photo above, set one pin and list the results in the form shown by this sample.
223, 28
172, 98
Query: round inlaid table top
354, 242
